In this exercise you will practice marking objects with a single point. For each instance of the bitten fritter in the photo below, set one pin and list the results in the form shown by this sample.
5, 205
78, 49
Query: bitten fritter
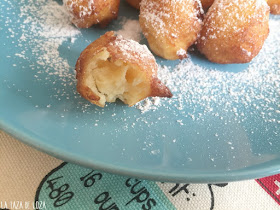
234, 31
134, 3
170, 26
85, 13
112, 67
274, 6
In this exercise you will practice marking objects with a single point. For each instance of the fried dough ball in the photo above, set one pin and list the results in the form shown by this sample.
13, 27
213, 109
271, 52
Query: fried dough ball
85, 13
170, 26
134, 3
234, 30
274, 6
113, 67
206, 3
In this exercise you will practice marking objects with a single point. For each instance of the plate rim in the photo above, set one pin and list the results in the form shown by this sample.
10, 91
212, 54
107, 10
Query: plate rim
61, 154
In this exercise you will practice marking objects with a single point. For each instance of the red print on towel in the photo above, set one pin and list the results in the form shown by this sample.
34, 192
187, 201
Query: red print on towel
271, 185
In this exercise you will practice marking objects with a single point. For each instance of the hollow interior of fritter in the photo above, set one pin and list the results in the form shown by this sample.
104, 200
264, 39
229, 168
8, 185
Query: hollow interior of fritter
111, 80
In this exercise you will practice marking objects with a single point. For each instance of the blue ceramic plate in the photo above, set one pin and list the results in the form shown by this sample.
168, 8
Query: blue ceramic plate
222, 124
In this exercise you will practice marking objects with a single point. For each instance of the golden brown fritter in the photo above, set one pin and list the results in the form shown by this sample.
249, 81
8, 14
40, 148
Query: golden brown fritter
112, 67
85, 13
170, 26
234, 30
274, 6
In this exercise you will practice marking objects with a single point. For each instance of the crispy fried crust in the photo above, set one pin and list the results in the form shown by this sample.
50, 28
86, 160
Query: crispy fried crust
134, 3
85, 13
234, 31
170, 26
126, 51
274, 6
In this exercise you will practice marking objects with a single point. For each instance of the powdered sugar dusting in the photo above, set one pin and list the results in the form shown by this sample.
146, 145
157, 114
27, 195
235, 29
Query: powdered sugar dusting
131, 48
47, 24
256, 89
170, 16
86, 8
181, 52
130, 30
260, 4
232, 15
49, 21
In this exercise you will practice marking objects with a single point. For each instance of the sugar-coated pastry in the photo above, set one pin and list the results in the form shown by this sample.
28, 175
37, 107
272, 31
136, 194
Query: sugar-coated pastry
274, 6
206, 3
134, 3
234, 31
170, 26
85, 13
112, 67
